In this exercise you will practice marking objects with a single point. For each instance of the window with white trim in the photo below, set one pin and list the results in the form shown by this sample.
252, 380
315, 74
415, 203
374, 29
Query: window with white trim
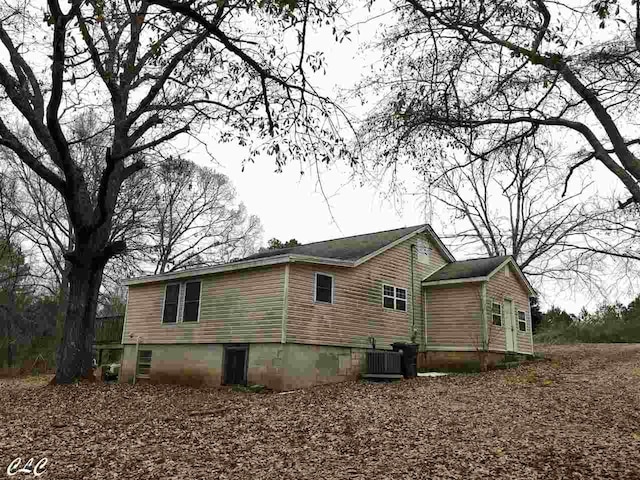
323, 288
394, 297
522, 321
182, 302
496, 314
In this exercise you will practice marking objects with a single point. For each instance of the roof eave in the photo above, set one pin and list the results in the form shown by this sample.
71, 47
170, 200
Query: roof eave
227, 267
242, 265
451, 281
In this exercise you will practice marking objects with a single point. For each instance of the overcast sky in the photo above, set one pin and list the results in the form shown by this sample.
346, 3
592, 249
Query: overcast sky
291, 205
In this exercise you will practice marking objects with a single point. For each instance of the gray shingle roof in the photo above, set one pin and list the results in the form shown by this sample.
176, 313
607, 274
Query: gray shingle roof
477, 267
347, 248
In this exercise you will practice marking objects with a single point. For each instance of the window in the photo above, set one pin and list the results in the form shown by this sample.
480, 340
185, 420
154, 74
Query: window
191, 302
324, 288
171, 295
144, 363
181, 302
395, 298
522, 321
496, 313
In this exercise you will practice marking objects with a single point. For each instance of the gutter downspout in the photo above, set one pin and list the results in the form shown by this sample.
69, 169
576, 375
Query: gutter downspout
285, 306
484, 328
413, 301
135, 369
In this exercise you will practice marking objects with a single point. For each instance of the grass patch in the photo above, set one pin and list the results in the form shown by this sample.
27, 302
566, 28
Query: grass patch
257, 388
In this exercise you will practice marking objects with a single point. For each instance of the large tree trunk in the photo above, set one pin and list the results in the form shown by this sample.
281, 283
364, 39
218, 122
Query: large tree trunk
74, 359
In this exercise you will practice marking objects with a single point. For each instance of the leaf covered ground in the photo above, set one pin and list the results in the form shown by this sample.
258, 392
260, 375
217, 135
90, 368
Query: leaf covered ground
574, 415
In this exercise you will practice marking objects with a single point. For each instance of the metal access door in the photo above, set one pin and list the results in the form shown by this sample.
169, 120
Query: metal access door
235, 364
510, 326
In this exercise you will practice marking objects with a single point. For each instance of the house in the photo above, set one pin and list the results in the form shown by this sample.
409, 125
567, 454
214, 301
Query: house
305, 315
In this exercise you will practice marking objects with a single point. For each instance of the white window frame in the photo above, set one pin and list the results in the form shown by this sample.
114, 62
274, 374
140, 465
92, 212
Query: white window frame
524, 320
164, 301
396, 298
182, 290
493, 302
315, 288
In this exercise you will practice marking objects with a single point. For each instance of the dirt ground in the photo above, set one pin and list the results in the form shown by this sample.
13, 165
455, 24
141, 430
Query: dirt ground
574, 415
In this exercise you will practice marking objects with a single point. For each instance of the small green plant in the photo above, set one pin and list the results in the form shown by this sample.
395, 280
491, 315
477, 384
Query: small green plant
257, 388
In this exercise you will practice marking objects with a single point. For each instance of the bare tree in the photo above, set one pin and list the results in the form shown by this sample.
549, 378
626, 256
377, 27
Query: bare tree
196, 219
512, 203
152, 75
473, 77
13, 267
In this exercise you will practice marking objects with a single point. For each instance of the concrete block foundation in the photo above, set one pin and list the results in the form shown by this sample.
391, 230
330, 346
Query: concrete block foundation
447, 359
278, 366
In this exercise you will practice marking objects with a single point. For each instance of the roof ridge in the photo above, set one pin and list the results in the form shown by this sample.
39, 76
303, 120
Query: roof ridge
415, 227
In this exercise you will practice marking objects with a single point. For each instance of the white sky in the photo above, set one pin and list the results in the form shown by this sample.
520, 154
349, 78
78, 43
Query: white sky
291, 205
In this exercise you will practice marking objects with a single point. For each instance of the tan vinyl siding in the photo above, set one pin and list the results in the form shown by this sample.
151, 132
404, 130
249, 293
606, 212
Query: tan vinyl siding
241, 306
499, 287
454, 316
357, 313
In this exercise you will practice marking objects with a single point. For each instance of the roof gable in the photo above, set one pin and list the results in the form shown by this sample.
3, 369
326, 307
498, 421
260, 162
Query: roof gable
475, 270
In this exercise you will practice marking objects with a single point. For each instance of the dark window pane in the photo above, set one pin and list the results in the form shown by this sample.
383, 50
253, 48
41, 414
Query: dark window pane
192, 293
497, 320
496, 308
170, 313
388, 291
172, 294
401, 305
323, 295
522, 326
190, 312
401, 293
323, 281
145, 356
388, 302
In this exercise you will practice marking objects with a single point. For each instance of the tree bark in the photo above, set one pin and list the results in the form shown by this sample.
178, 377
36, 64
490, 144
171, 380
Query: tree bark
74, 359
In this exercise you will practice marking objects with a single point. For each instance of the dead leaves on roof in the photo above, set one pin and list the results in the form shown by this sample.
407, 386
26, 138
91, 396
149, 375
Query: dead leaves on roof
576, 416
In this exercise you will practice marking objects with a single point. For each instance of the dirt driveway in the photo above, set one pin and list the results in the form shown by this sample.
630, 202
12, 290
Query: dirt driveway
573, 416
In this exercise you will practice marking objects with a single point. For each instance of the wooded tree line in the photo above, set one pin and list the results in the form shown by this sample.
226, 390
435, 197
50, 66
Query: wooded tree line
608, 323
484, 101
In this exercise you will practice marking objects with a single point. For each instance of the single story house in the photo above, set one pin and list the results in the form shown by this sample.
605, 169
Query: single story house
305, 315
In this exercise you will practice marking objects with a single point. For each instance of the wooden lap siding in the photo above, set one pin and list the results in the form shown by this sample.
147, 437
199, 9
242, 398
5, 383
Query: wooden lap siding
357, 312
241, 306
499, 287
454, 316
